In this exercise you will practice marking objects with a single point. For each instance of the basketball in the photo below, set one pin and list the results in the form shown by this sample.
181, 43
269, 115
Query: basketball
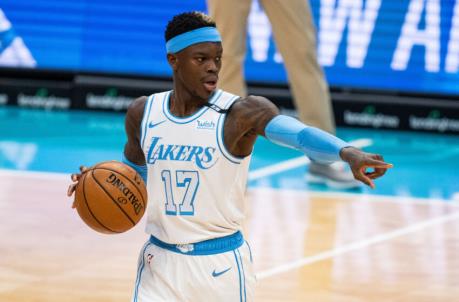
111, 197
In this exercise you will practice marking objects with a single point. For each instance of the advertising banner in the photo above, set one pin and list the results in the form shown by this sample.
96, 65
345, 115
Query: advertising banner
403, 45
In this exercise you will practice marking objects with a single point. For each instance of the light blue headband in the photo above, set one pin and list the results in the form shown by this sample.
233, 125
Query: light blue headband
182, 41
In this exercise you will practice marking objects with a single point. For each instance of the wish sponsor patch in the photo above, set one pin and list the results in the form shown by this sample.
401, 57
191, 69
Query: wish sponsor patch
203, 124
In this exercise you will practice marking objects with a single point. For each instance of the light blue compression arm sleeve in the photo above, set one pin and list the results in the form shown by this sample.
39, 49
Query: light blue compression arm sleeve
142, 170
318, 145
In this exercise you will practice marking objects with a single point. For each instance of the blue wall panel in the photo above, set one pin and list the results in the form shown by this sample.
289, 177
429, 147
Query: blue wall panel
127, 37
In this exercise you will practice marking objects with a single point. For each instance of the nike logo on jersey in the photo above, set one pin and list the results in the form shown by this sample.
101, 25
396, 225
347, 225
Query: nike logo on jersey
152, 125
203, 157
215, 274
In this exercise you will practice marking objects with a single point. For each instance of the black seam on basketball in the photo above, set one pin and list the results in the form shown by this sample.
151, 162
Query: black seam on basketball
111, 197
89, 209
135, 185
128, 179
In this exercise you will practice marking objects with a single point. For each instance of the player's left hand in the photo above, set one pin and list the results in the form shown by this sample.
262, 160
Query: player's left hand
360, 161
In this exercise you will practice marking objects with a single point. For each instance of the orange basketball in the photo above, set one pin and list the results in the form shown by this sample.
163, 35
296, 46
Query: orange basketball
111, 197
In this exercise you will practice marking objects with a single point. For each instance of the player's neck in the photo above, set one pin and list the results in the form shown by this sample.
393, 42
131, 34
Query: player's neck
182, 103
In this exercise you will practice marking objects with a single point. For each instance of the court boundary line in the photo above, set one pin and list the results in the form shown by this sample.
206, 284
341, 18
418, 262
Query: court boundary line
361, 196
34, 174
347, 248
364, 197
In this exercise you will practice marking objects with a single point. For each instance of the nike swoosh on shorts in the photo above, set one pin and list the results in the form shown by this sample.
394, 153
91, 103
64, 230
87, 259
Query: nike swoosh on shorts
216, 274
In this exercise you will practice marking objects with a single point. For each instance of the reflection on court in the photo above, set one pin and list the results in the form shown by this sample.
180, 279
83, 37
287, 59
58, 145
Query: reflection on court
307, 247
353, 247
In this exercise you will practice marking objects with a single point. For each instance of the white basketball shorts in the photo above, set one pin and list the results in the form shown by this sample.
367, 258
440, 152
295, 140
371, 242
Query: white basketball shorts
218, 270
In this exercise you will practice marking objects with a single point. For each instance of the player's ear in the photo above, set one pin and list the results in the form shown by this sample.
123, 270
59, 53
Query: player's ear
172, 60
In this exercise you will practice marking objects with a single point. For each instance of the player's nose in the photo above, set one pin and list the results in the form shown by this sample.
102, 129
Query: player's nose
212, 66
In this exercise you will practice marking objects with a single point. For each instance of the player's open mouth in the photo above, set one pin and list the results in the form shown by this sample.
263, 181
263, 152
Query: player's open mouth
210, 85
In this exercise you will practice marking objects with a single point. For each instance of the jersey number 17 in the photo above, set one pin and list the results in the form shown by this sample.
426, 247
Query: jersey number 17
183, 179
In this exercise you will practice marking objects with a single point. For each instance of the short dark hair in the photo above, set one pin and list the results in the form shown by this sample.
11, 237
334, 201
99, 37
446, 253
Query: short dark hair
185, 22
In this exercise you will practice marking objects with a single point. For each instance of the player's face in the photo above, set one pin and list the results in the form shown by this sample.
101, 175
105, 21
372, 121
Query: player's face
198, 67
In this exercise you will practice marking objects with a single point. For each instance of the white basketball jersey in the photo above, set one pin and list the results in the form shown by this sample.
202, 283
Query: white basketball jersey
195, 186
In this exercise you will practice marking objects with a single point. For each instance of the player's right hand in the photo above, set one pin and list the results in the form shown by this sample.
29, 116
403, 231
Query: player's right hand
360, 162
75, 178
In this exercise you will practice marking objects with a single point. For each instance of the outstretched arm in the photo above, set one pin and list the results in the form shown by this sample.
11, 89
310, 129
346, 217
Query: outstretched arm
323, 147
253, 116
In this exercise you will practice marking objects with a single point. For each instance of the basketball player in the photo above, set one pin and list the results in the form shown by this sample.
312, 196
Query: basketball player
193, 146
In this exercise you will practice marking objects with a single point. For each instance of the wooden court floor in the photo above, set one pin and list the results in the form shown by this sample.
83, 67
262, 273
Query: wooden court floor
307, 247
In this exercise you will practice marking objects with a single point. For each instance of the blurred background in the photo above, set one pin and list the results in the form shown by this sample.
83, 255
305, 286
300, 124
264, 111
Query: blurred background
69, 70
